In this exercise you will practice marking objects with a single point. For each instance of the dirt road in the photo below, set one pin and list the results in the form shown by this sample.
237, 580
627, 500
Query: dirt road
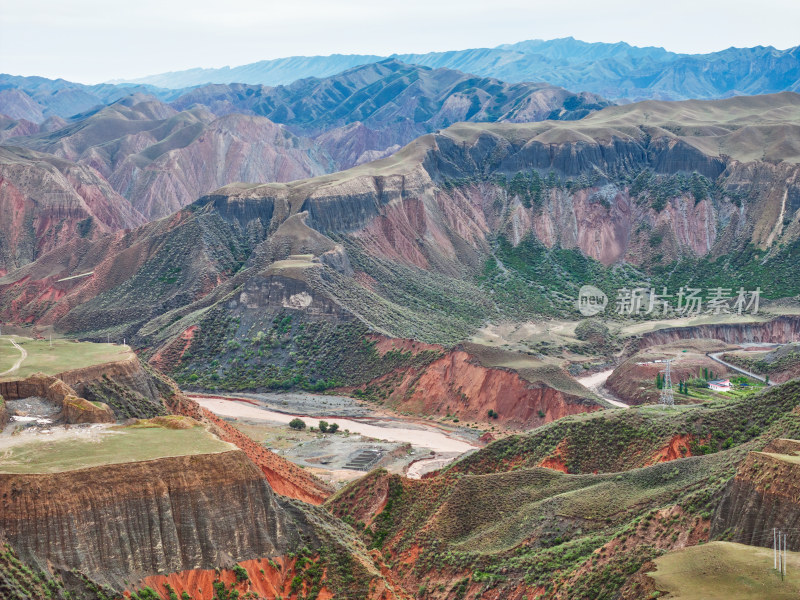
23, 356
715, 356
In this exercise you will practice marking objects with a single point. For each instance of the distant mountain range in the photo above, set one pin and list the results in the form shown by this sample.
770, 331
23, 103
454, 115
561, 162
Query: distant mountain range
616, 71
36, 99
368, 111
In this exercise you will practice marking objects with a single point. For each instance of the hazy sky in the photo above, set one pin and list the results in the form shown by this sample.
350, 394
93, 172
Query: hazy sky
92, 41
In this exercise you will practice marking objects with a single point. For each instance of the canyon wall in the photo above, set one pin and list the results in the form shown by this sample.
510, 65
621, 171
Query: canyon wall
780, 330
763, 495
122, 522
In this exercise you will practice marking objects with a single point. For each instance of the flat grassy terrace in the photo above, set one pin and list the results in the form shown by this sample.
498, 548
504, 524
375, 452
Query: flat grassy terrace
726, 571
65, 355
79, 448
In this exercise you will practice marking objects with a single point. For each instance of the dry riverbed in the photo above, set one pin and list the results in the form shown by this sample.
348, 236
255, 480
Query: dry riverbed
400, 445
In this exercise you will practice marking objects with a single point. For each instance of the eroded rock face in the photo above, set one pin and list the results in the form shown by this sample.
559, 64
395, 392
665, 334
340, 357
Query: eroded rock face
79, 410
46, 201
274, 293
126, 521
779, 330
763, 495
116, 390
74, 410
458, 384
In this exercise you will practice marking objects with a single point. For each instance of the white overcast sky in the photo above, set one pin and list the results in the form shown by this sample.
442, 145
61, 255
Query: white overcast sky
92, 41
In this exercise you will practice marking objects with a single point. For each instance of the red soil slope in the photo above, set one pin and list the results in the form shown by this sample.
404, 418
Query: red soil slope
458, 384
268, 578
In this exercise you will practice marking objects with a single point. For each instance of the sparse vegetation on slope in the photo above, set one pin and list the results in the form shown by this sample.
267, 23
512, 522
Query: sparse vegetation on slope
497, 521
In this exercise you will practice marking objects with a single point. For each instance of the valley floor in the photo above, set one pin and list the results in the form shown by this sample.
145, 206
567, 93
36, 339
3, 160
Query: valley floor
404, 445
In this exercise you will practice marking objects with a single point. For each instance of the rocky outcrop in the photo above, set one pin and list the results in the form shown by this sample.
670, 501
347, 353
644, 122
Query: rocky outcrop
763, 495
125, 387
78, 410
74, 410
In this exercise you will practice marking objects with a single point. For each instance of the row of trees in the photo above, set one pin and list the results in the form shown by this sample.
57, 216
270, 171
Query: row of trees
324, 426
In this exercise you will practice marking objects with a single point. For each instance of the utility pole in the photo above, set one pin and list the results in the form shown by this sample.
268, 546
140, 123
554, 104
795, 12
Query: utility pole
779, 541
666, 398
783, 574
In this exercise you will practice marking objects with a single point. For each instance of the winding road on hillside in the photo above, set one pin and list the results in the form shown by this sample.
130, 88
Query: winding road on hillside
715, 356
23, 356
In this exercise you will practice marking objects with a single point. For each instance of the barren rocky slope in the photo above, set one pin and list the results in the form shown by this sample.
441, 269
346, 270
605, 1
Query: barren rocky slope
158, 158
47, 201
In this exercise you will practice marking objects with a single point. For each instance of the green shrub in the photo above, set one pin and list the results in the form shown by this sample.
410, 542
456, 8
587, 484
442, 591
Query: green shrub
241, 573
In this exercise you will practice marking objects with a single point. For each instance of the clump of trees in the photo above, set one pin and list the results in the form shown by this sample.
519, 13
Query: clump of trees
326, 427
298, 424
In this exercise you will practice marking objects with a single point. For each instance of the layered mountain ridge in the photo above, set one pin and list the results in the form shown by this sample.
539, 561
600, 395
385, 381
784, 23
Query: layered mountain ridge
616, 71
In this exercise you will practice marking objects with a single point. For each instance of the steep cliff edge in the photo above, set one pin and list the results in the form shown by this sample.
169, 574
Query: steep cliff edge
127, 387
122, 523
779, 330
764, 494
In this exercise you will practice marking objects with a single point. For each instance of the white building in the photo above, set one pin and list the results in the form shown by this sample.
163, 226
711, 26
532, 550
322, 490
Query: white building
720, 385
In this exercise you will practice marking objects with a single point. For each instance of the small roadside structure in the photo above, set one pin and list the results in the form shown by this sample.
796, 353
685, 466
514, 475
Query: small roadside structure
720, 385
